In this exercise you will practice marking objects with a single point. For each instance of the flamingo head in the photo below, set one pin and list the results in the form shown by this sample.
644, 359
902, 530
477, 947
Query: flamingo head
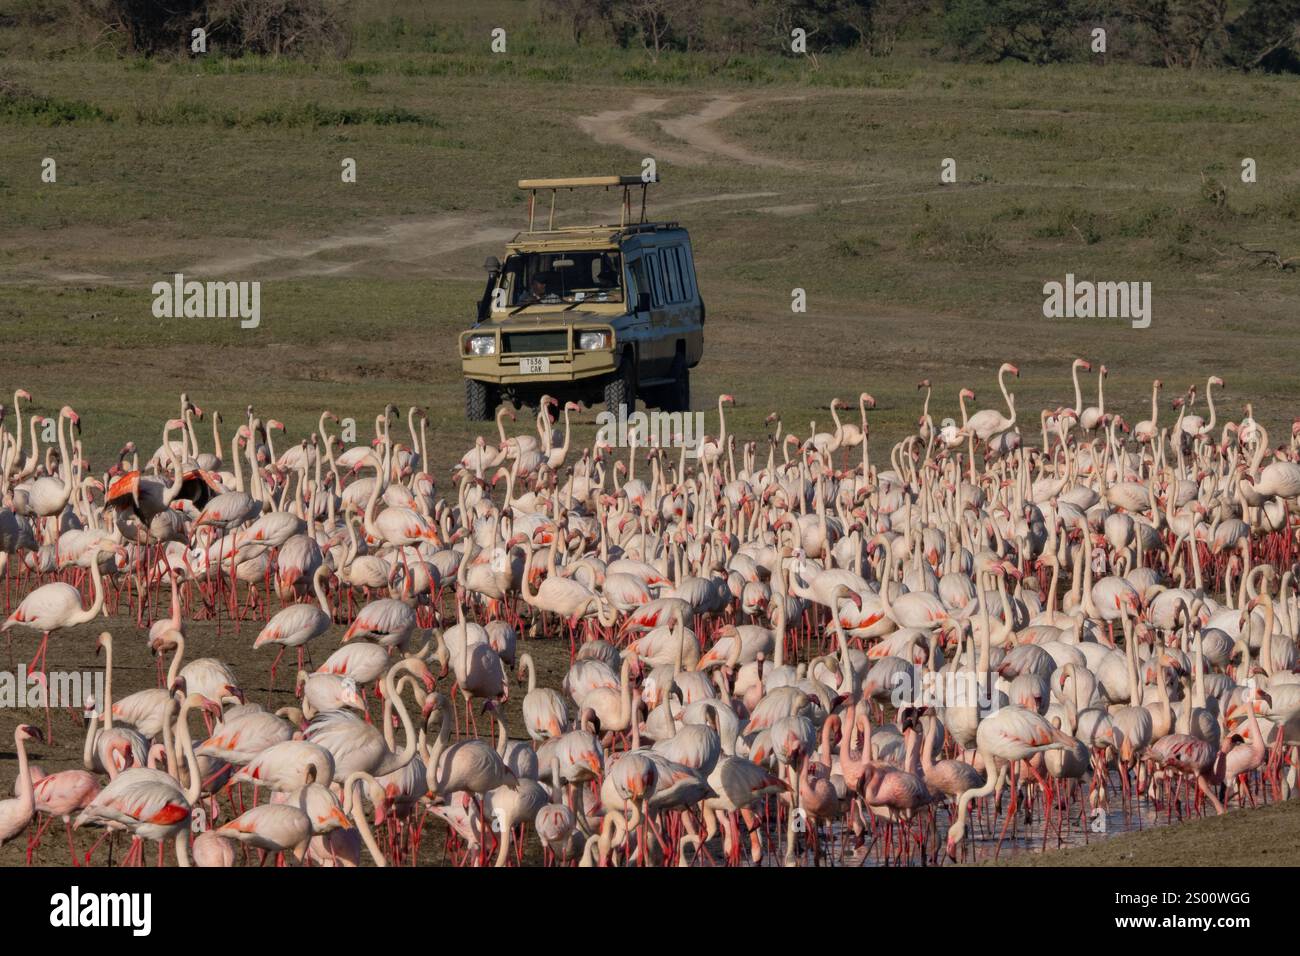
728, 399
206, 704
924, 383
871, 402
164, 642
28, 732
1083, 364
954, 841
420, 670
966, 393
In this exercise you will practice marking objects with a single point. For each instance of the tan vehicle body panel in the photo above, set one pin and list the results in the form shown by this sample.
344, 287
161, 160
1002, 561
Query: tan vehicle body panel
652, 335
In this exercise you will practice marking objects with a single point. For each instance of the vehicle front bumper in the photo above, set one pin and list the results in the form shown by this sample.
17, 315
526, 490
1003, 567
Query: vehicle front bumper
566, 365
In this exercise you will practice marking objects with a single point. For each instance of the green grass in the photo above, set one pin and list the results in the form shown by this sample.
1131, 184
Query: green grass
166, 165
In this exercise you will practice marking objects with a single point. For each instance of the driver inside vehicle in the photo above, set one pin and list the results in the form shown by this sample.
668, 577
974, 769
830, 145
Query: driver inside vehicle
535, 291
607, 277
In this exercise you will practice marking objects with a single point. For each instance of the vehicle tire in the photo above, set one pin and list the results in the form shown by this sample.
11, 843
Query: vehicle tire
480, 401
676, 396
621, 387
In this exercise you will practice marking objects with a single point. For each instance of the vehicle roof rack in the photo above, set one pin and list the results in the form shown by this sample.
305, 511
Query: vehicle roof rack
626, 183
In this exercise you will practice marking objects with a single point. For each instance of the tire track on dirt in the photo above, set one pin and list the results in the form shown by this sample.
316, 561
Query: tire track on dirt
697, 130
410, 242
704, 144
609, 128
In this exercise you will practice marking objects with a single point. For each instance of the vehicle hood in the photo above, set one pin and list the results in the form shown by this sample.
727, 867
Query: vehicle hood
551, 319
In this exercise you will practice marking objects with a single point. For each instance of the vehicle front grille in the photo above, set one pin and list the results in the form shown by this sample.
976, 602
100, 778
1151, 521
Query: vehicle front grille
553, 341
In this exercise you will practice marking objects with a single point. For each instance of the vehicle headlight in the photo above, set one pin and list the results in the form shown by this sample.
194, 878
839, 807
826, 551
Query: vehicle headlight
483, 344
593, 340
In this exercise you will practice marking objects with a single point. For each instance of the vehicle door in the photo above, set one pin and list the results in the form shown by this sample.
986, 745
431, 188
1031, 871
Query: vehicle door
642, 269
677, 317
668, 307
693, 312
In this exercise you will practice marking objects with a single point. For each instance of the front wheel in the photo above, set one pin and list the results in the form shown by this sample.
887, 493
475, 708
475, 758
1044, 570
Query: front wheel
480, 401
621, 387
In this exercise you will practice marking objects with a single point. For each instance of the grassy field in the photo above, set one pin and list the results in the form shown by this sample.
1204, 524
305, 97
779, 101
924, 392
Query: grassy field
230, 169
822, 177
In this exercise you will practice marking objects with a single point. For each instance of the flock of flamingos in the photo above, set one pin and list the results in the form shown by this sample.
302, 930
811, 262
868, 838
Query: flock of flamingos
781, 651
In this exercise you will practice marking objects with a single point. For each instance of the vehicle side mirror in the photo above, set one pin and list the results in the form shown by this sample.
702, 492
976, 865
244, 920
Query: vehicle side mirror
643, 302
492, 265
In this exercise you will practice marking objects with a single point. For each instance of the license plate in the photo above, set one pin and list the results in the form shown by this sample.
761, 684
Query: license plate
534, 366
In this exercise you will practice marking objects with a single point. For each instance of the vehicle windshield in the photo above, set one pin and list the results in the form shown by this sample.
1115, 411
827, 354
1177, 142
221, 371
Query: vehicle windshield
550, 278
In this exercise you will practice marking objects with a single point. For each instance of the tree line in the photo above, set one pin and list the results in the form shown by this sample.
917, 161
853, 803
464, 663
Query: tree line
1241, 34
1252, 34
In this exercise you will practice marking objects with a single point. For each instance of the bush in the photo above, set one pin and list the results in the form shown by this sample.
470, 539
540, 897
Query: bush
18, 104
1266, 35
283, 27
142, 27
269, 27
1034, 31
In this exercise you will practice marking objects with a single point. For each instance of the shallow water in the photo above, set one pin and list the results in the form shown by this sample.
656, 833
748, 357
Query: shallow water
924, 839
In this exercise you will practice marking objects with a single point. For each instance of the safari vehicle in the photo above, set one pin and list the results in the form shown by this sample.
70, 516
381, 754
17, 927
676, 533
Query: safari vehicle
587, 313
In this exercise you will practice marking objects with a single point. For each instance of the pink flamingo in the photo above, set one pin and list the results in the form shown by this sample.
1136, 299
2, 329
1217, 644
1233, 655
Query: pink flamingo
298, 623
61, 795
1003, 738
16, 813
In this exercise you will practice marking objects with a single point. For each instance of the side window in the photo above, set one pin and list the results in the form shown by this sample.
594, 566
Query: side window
512, 281
684, 264
656, 278
636, 272
672, 274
